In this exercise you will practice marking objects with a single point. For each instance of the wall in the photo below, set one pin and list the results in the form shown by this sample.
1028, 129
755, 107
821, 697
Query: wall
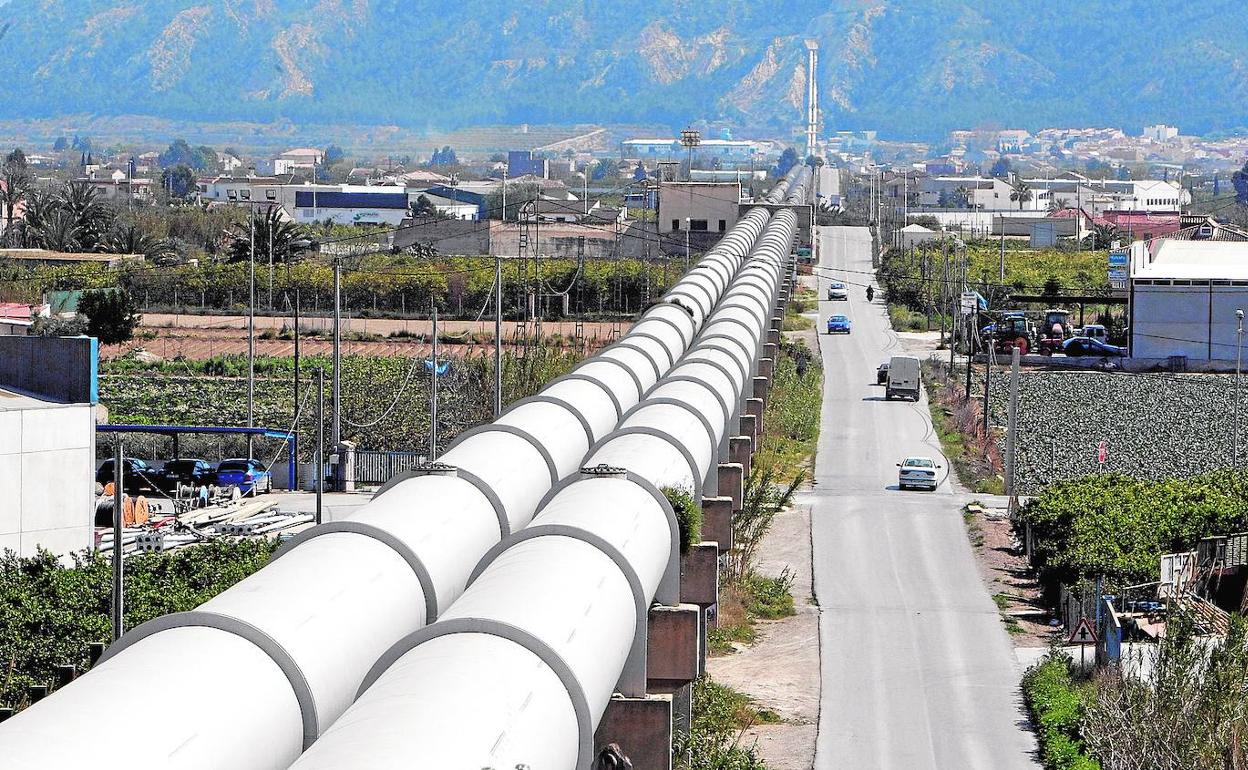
1194, 321
449, 236
46, 476
62, 369
712, 201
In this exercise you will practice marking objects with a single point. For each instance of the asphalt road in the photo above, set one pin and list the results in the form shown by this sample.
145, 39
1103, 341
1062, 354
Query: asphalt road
917, 670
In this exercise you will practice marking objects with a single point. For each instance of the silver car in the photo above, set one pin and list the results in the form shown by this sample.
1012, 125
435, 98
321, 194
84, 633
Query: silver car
917, 473
837, 290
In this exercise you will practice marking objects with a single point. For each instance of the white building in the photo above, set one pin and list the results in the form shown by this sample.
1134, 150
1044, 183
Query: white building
698, 206
1184, 293
1161, 132
345, 204
305, 158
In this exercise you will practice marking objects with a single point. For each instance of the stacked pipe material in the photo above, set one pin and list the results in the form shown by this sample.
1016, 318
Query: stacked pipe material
254, 675
519, 671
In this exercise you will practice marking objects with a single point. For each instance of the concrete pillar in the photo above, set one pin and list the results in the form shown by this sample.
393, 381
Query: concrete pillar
771, 350
754, 406
773, 336
672, 646
766, 367
641, 728
699, 575
749, 427
717, 521
777, 322
741, 451
732, 483
762, 387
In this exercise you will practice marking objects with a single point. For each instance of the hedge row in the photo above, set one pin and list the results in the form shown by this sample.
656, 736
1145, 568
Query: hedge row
1057, 709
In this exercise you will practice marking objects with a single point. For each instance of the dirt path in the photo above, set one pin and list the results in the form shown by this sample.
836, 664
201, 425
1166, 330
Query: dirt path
780, 671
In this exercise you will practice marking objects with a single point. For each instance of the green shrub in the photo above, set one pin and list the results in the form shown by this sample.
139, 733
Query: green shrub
1057, 708
771, 597
720, 714
688, 516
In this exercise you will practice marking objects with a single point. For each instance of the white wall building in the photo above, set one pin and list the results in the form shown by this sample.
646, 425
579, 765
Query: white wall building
1183, 297
1161, 132
46, 475
708, 206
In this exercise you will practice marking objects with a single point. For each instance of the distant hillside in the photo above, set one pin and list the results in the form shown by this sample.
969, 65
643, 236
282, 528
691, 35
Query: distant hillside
907, 68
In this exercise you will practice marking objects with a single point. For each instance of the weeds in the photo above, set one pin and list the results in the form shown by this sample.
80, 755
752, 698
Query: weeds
721, 716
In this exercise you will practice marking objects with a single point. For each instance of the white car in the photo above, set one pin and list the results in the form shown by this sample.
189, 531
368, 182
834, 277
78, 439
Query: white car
917, 473
837, 290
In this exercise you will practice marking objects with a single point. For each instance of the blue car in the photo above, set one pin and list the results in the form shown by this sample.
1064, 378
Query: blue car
1090, 346
838, 324
249, 476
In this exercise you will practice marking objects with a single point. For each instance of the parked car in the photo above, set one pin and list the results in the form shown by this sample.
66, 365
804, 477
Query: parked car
1091, 346
249, 476
903, 378
881, 374
185, 472
1094, 331
839, 324
917, 473
837, 290
137, 476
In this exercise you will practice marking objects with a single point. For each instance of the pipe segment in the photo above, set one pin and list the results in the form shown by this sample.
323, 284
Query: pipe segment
563, 593
273, 661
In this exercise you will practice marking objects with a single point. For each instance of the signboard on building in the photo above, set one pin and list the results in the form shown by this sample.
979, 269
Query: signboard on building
1118, 258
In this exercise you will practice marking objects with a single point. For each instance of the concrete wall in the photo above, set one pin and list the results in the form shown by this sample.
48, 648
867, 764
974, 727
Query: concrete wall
710, 201
61, 369
46, 477
449, 236
1186, 320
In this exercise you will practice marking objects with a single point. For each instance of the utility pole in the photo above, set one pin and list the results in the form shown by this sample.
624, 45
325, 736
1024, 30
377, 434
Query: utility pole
296, 309
687, 221
269, 217
503, 216
944, 287
251, 328
433, 393
987, 384
320, 439
498, 336
118, 477
970, 351
1239, 350
1011, 436
336, 432
1002, 277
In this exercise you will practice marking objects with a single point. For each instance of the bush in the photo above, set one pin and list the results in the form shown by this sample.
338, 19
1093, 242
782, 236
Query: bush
1057, 709
720, 716
688, 516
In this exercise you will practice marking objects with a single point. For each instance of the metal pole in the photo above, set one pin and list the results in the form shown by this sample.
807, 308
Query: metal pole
1239, 350
970, 351
269, 217
987, 385
498, 335
297, 402
320, 439
118, 596
686, 244
1002, 278
251, 330
433, 393
1011, 438
336, 432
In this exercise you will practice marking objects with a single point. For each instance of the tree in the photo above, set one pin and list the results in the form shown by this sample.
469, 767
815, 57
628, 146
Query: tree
60, 145
179, 180
287, 238
111, 315
1239, 180
604, 169
333, 155
1022, 193
202, 158
1101, 237
1052, 288
130, 239
91, 216
15, 183
962, 198
1002, 167
444, 157
788, 159
517, 196
944, 200
17, 159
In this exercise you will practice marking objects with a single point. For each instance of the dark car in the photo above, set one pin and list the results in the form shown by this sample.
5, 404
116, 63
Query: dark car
1090, 346
137, 476
249, 476
186, 472
881, 374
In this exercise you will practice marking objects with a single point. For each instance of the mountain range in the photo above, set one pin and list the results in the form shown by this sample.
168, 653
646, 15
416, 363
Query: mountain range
911, 69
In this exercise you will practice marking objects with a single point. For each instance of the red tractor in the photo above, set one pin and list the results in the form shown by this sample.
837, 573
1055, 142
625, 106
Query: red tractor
1012, 331
1054, 331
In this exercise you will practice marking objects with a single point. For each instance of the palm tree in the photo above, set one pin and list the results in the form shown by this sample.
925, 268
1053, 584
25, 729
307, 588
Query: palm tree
1022, 193
92, 217
129, 239
15, 184
60, 231
272, 223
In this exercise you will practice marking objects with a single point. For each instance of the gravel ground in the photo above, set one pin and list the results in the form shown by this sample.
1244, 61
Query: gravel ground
1154, 425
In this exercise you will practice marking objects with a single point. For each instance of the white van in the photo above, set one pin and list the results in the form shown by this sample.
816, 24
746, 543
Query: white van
903, 377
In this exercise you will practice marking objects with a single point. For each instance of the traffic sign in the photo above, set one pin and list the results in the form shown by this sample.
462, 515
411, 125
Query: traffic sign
1102, 451
1117, 274
1083, 633
1118, 258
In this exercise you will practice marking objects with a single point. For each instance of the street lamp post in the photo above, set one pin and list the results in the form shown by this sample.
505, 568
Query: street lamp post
1239, 350
251, 315
687, 222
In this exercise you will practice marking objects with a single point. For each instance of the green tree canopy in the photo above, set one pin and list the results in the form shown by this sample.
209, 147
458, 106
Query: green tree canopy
111, 315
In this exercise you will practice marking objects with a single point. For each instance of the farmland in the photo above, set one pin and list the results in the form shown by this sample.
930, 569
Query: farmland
384, 399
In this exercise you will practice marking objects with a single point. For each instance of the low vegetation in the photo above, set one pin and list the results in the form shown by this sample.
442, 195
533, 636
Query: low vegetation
1057, 706
958, 423
1112, 526
721, 716
50, 613
791, 422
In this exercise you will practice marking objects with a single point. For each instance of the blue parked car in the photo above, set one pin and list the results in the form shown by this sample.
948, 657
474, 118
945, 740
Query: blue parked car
1091, 346
838, 324
249, 476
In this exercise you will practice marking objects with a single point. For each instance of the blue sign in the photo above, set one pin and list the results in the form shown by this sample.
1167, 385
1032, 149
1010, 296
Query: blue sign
443, 367
1119, 258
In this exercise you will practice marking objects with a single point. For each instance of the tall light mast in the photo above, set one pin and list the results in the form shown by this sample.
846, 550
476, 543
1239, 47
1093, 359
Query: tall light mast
812, 96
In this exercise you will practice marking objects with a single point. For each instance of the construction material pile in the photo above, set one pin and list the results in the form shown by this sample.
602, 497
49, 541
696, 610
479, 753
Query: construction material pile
149, 526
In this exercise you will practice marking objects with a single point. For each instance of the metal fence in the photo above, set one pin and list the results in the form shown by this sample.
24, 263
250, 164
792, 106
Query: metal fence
380, 467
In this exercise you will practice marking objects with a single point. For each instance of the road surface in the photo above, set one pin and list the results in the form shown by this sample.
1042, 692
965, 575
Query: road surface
917, 670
